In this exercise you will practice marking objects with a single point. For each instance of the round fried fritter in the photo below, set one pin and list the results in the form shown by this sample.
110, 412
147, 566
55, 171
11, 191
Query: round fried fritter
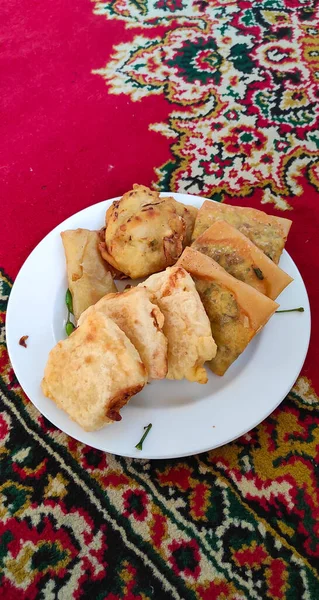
189, 214
146, 233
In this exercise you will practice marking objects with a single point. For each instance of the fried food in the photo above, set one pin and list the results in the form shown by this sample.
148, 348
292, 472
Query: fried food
188, 213
93, 373
186, 325
236, 310
142, 322
241, 258
88, 276
146, 233
116, 274
267, 232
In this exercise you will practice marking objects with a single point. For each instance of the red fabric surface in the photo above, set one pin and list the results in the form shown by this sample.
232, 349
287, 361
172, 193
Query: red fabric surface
67, 143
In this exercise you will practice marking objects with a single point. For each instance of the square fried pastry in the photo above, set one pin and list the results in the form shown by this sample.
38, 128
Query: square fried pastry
94, 372
268, 232
186, 325
236, 310
142, 322
241, 258
88, 276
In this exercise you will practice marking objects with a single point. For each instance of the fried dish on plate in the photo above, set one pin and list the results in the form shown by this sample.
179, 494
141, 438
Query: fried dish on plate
89, 278
236, 310
186, 325
268, 232
241, 258
93, 373
196, 304
142, 322
146, 233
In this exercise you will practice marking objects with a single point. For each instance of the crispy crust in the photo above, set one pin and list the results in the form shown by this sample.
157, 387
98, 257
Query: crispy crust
89, 278
102, 249
119, 400
236, 311
93, 373
186, 325
258, 307
145, 233
222, 240
268, 232
142, 322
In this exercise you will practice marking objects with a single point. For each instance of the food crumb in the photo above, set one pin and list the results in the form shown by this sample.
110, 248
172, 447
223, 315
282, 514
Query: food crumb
22, 341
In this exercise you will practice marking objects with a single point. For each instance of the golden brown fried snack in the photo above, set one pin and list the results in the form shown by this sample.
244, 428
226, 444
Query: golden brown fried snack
189, 214
88, 276
268, 232
145, 233
142, 322
241, 258
116, 274
236, 311
186, 325
93, 373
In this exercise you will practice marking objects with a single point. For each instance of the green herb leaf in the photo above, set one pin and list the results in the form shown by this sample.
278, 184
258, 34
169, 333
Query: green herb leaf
68, 301
258, 273
69, 327
299, 309
139, 446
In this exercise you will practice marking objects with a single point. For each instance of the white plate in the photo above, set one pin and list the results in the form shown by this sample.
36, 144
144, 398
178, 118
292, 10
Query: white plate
187, 417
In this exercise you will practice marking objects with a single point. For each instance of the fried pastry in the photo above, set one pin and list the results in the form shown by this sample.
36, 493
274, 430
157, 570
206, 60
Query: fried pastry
188, 213
236, 310
186, 325
142, 322
145, 233
241, 258
88, 276
267, 232
93, 373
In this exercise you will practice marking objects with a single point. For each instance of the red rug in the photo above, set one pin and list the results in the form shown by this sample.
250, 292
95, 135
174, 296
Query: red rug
209, 97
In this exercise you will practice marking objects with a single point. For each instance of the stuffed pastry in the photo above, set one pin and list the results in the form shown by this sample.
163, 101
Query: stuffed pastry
267, 232
93, 373
236, 310
88, 276
241, 258
186, 325
142, 322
